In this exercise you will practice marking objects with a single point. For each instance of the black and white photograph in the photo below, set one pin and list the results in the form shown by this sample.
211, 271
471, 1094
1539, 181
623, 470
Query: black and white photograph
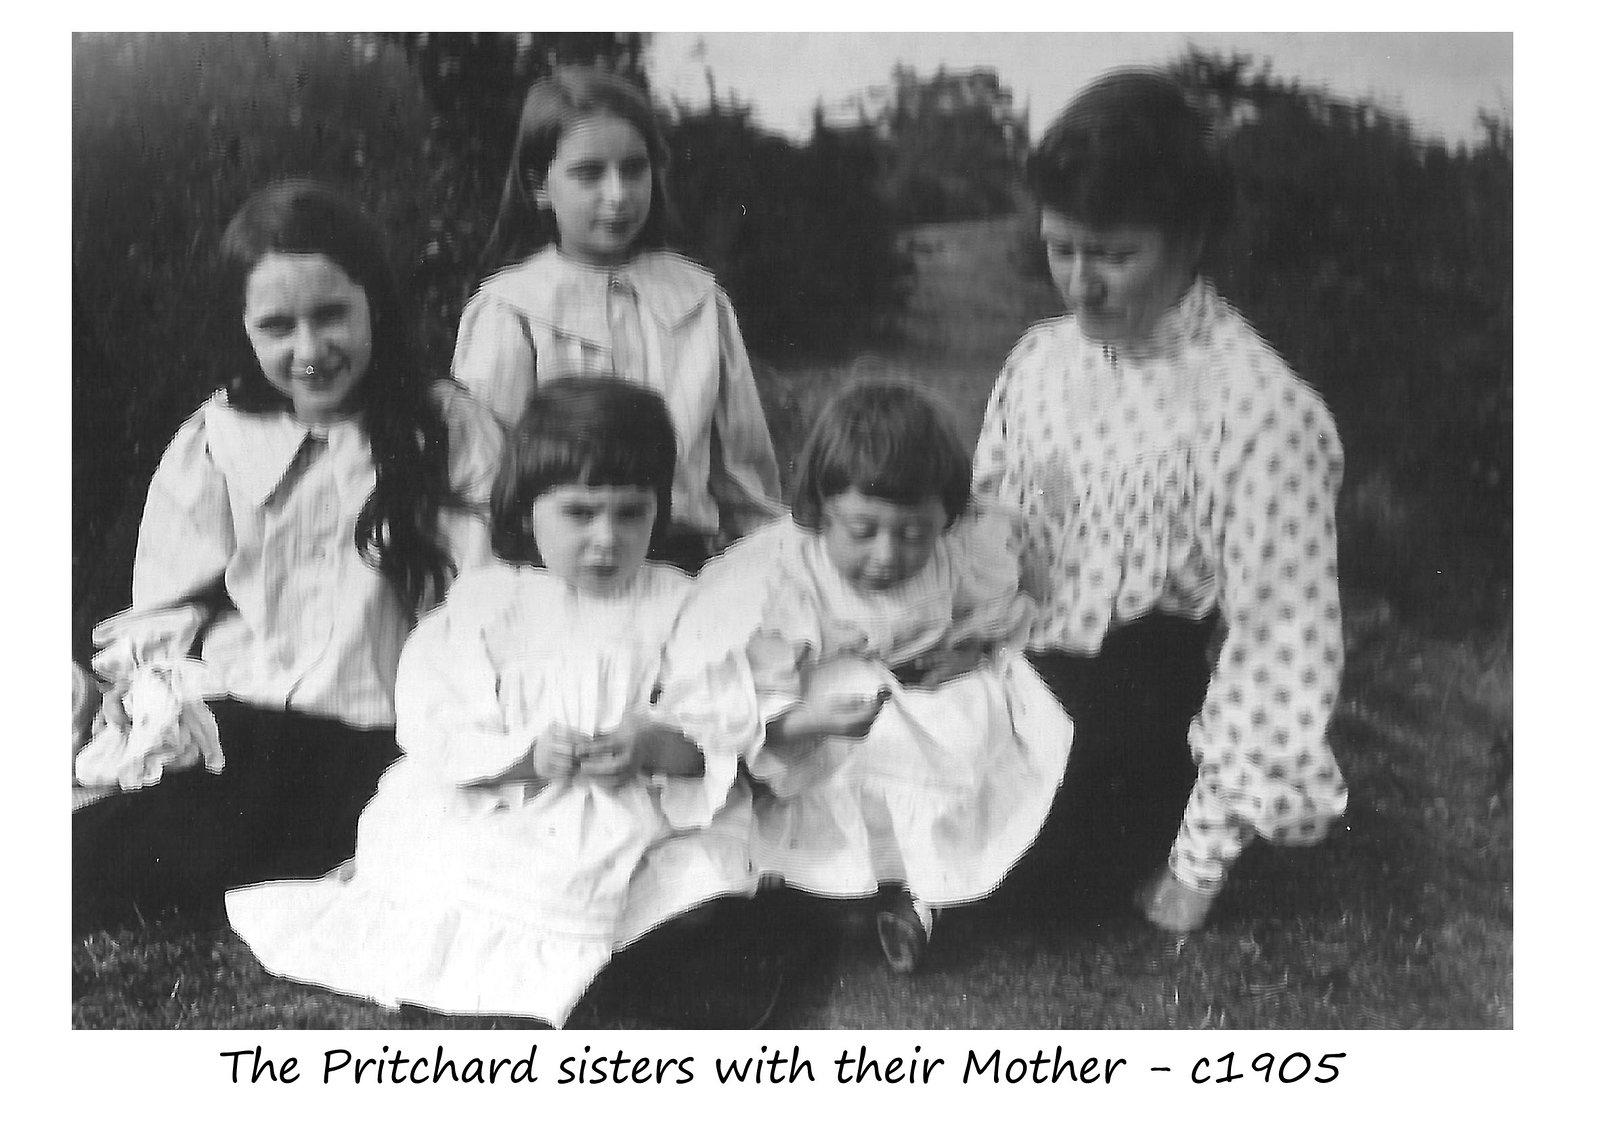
804, 531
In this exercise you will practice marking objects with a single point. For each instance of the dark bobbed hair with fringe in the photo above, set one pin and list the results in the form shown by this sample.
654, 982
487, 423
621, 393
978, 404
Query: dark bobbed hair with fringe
397, 528
552, 107
889, 439
1131, 149
591, 431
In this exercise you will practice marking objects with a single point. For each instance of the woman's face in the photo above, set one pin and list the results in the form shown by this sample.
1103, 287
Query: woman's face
311, 329
1118, 281
598, 186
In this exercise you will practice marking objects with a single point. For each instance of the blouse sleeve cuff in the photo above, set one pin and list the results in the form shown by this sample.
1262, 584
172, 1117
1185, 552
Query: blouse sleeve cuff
138, 636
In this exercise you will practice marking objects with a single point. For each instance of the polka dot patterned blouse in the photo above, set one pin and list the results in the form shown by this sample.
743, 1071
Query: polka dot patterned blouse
1196, 472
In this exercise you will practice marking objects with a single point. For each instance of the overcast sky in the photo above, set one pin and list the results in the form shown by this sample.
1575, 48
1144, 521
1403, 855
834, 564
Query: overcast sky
1439, 81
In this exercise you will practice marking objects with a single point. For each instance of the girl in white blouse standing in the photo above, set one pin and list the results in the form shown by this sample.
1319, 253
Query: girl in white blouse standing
1173, 473
566, 787
907, 750
590, 289
295, 527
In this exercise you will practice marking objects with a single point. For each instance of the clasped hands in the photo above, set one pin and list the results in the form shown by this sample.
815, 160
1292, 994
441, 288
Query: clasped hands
639, 746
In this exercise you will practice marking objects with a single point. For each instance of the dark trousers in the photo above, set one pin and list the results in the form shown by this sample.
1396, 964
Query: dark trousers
1130, 771
285, 805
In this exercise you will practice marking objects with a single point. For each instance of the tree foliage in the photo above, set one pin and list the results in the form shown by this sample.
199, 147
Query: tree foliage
800, 236
170, 133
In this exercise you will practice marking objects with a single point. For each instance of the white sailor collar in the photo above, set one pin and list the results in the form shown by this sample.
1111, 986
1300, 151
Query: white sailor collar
255, 451
552, 289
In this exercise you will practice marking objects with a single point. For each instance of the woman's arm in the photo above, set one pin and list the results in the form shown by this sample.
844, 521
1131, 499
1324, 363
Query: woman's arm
744, 467
186, 540
1261, 736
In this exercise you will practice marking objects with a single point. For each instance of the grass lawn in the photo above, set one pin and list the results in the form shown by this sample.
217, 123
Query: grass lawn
1403, 920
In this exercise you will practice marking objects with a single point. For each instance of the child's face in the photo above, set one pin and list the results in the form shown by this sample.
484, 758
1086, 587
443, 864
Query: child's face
598, 186
876, 544
311, 330
594, 538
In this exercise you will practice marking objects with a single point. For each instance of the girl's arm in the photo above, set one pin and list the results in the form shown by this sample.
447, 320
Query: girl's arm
1261, 737
744, 467
447, 707
476, 442
989, 609
495, 357
186, 540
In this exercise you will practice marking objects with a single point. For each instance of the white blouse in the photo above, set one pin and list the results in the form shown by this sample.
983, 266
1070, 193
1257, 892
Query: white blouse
249, 533
1193, 474
658, 319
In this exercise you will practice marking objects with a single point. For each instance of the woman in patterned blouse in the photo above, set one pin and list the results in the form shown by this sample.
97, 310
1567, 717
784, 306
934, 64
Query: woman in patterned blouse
1177, 485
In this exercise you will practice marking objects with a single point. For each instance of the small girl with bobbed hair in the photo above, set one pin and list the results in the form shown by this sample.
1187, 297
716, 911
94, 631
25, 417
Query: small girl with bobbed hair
582, 283
566, 785
297, 525
907, 750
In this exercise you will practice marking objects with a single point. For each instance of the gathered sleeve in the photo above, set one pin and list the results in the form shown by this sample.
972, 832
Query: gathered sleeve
996, 467
744, 467
988, 607
448, 712
476, 443
749, 612
712, 702
1260, 740
495, 356
1006, 469
186, 540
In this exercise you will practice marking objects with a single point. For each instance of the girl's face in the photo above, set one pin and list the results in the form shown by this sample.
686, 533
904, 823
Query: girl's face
1118, 281
598, 185
876, 544
594, 538
311, 330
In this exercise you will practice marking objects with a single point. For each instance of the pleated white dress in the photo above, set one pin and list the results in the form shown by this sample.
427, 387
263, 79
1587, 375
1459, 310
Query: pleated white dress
953, 783
501, 899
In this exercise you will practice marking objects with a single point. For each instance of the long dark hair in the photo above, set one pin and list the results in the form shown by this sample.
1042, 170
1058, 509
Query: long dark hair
397, 531
553, 106
889, 439
594, 431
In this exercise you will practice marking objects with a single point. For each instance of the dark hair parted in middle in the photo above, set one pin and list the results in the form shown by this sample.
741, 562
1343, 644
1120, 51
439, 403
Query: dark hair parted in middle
889, 440
592, 431
1132, 149
552, 107
397, 529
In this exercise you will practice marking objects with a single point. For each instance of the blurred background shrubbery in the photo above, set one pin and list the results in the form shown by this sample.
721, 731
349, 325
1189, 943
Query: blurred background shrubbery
1379, 264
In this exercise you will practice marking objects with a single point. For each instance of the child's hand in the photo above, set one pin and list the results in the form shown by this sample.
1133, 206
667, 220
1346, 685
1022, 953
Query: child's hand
614, 758
841, 715
555, 753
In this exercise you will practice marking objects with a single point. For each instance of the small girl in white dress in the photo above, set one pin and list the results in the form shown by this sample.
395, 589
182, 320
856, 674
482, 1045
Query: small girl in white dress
907, 749
564, 790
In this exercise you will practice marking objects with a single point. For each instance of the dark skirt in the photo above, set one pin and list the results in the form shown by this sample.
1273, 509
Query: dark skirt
286, 805
1130, 771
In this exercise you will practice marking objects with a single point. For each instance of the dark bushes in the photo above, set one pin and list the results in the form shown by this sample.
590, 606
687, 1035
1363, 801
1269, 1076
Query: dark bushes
171, 132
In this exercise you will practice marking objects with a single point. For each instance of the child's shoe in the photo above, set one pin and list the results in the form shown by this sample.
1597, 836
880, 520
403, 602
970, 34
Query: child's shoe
905, 924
